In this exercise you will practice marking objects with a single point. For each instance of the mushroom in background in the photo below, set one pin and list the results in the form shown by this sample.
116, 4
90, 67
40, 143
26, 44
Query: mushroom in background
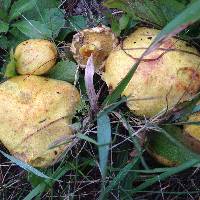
99, 41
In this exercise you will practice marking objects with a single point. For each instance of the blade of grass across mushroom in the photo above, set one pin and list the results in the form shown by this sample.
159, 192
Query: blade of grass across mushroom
188, 16
188, 108
24, 165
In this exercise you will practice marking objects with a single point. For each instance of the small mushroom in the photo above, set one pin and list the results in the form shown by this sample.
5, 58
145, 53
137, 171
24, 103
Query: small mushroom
167, 76
99, 41
35, 112
35, 56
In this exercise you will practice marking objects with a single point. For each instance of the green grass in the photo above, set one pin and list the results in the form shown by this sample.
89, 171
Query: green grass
106, 159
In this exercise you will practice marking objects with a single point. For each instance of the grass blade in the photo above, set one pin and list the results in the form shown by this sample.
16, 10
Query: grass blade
120, 176
39, 189
187, 17
121, 86
163, 176
24, 165
86, 138
104, 139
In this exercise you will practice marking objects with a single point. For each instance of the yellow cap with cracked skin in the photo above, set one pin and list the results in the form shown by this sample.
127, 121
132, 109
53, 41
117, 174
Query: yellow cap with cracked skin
168, 75
35, 56
99, 41
35, 112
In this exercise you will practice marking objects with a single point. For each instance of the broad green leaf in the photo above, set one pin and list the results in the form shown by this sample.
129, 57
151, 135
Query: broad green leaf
21, 6
10, 67
3, 42
104, 140
54, 19
64, 70
41, 5
119, 4
158, 12
123, 21
3, 15
3, 27
15, 37
73, 24
5, 4
33, 29
24, 165
115, 26
76, 23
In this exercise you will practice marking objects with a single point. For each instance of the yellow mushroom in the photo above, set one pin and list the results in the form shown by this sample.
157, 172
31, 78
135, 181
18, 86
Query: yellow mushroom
99, 41
35, 56
35, 112
167, 76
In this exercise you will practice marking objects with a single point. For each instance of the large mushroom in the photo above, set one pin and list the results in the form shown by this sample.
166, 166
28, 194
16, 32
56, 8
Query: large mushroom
167, 76
35, 112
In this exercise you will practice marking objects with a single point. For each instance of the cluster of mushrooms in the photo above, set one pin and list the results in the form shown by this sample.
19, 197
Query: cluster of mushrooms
36, 111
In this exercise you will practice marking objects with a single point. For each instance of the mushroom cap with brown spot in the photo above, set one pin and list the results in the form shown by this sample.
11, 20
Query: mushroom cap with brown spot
99, 41
34, 113
35, 56
166, 76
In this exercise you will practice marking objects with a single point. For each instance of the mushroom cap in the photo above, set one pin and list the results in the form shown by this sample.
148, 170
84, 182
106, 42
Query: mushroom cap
35, 56
167, 76
35, 112
99, 41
